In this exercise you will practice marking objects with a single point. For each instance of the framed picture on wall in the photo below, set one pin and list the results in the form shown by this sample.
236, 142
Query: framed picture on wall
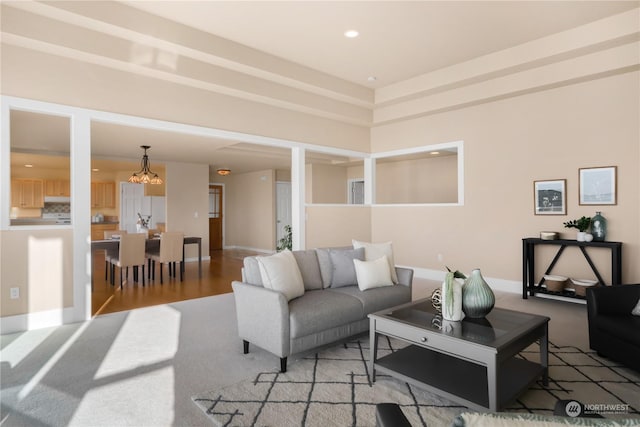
598, 185
550, 197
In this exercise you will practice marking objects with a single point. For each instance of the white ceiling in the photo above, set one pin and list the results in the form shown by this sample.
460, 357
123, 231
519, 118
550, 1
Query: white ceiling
398, 39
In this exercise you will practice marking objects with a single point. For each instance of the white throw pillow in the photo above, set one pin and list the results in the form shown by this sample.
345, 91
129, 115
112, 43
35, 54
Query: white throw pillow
373, 274
636, 309
373, 251
280, 273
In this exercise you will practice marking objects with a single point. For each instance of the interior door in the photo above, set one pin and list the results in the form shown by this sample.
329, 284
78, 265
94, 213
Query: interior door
283, 208
215, 217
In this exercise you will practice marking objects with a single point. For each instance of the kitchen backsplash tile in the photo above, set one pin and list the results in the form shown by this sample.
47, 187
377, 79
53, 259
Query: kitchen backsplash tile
56, 208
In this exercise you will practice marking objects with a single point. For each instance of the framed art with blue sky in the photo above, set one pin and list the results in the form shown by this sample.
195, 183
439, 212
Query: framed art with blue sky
598, 185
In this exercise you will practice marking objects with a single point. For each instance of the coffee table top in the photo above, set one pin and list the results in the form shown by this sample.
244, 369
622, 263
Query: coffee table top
497, 329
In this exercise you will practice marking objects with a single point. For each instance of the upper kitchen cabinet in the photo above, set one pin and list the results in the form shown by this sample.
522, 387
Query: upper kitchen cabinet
154, 189
57, 187
103, 194
27, 193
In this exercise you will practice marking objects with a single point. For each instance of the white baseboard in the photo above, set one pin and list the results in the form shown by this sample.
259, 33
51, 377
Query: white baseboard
503, 285
247, 248
37, 320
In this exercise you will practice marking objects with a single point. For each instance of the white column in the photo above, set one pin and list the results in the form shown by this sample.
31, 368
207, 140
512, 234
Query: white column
5, 166
369, 181
298, 217
81, 213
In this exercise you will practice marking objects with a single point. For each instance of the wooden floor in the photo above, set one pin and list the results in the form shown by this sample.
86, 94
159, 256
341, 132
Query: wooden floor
217, 275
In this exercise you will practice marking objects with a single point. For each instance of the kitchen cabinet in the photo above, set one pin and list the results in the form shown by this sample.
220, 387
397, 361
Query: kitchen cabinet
98, 229
154, 189
27, 193
57, 187
103, 194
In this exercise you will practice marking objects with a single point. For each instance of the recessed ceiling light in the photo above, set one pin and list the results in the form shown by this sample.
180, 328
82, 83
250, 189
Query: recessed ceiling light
95, 170
435, 153
372, 78
28, 166
351, 34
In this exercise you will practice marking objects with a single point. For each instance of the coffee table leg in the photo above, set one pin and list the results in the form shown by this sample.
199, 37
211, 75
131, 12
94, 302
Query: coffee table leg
373, 351
492, 383
544, 354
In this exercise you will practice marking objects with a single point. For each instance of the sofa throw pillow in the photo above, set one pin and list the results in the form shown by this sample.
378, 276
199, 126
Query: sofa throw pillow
636, 309
280, 273
343, 271
324, 262
373, 274
309, 269
373, 251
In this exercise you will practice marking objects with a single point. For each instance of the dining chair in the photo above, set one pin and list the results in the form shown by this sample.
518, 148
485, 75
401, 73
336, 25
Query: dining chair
171, 250
131, 253
108, 234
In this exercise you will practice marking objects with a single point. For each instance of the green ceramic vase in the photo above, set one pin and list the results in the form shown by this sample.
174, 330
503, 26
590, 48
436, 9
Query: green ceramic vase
477, 297
599, 227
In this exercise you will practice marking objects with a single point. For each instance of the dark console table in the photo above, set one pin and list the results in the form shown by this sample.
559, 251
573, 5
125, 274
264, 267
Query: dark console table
528, 263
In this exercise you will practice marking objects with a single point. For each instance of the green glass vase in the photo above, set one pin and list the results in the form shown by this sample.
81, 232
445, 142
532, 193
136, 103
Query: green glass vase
477, 297
599, 227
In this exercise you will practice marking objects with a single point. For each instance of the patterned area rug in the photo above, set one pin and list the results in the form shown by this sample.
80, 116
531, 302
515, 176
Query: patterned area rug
331, 388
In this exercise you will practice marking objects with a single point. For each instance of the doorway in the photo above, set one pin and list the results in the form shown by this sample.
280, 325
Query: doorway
215, 216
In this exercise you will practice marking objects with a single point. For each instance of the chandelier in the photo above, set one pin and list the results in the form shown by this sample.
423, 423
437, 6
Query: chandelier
145, 175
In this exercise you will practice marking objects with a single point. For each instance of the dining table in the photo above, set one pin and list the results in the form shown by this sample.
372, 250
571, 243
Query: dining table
152, 244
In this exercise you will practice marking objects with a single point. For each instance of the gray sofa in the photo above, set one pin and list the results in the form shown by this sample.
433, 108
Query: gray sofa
330, 309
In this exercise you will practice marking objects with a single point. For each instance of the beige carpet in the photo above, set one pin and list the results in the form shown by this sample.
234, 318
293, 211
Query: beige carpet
331, 388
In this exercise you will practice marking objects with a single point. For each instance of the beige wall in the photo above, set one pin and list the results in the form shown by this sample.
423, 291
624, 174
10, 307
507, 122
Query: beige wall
187, 201
250, 210
432, 180
39, 264
337, 225
328, 183
508, 144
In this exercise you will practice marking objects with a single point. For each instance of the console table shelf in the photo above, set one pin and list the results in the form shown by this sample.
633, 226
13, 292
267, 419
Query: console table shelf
529, 287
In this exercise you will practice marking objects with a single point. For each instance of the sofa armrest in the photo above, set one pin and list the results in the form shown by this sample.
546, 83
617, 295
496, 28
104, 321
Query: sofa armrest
263, 317
612, 300
405, 276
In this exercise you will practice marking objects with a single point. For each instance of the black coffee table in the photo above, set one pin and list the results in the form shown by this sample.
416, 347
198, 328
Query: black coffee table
472, 362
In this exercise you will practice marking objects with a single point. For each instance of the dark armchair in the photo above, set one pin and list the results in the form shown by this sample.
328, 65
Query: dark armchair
613, 331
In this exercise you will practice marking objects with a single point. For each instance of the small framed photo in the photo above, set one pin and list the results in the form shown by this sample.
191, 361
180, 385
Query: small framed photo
598, 186
550, 197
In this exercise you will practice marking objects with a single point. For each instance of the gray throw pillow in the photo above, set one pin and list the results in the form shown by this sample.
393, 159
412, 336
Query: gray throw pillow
325, 266
309, 268
343, 271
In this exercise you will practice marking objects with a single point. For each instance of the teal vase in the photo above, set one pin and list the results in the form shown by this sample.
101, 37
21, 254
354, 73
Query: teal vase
477, 297
599, 227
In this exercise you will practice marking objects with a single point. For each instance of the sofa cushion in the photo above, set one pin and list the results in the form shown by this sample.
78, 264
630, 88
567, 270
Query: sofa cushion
625, 328
280, 273
309, 268
343, 271
373, 274
376, 299
320, 310
373, 251
252, 271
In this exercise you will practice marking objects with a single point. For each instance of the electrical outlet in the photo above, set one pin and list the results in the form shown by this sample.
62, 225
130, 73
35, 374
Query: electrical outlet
14, 293
440, 257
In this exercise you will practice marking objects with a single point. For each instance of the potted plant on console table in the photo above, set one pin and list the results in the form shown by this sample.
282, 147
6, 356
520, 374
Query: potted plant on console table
582, 224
